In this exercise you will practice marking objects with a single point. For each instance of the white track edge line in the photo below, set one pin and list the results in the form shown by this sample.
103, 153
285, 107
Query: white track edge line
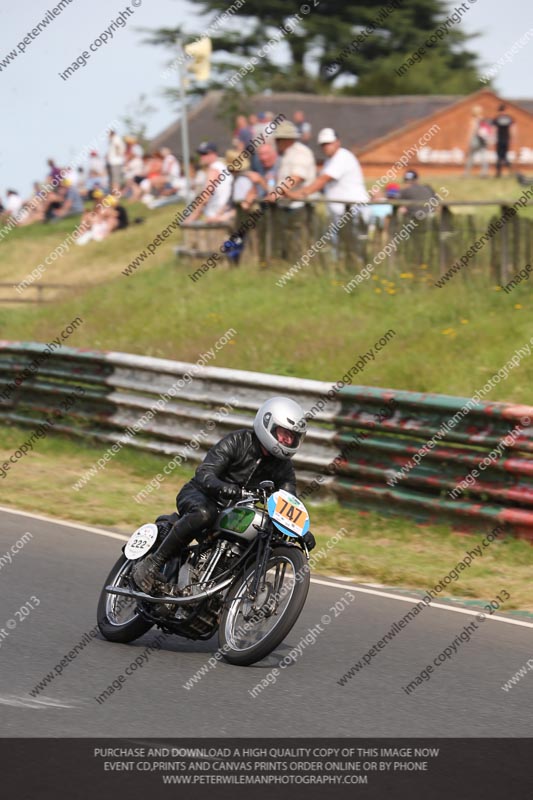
415, 600
360, 589
64, 523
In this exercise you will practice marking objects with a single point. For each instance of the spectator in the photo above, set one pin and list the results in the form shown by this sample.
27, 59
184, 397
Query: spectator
171, 173
105, 218
296, 170
96, 174
80, 182
212, 204
259, 127
504, 125
66, 202
264, 179
341, 177
35, 207
253, 122
13, 203
73, 176
132, 146
134, 173
170, 185
234, 210
242, 184
116, 152
152, 170
297, 165
269, 117
393, 191
479, 135
243, 134
304, 128
54, 175
413, 190
378, 216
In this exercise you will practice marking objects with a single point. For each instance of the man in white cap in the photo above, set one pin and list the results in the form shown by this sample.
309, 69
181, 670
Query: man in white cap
341, 177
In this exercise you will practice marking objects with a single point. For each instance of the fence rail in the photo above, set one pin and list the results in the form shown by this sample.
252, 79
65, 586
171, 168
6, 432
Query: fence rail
37, 287
282, 236
352, 452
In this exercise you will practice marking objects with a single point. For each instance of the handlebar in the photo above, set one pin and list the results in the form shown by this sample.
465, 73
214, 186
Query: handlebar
261, 493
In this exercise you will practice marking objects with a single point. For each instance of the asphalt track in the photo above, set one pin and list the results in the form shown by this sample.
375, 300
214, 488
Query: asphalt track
64, 566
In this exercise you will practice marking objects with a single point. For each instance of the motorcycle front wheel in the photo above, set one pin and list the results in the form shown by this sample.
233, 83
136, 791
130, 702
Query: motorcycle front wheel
116, 616
250, 631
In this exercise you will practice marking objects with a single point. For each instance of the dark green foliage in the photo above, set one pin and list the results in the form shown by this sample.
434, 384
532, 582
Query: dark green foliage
367, 67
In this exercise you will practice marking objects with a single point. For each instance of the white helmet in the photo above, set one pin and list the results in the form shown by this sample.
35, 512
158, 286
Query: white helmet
280, 412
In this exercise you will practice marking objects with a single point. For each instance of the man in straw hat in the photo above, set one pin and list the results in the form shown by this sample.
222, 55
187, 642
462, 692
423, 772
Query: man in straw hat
297, 169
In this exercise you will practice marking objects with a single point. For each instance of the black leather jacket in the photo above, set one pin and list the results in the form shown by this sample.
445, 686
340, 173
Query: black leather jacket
238, 459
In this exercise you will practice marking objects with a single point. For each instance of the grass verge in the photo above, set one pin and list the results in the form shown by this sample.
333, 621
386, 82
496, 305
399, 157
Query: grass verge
393, 552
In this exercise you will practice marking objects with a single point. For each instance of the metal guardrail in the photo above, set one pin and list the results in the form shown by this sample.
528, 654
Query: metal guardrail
120, 388
367, 449
502, 492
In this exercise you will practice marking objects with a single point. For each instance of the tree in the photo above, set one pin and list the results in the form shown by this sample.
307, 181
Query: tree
135, 119
343, 48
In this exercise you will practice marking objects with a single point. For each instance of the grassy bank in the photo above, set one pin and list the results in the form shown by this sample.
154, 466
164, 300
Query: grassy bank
446, 340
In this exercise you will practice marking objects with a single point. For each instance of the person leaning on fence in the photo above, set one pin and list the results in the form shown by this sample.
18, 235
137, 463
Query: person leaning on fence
479, 136
413, 190
264, 181
341, 179
297, 169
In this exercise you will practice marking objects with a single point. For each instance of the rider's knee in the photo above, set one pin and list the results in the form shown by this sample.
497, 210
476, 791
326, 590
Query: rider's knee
205, 515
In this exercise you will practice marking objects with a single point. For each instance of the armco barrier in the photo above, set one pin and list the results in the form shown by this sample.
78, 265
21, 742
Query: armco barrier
120, 388
368, 446
502, 492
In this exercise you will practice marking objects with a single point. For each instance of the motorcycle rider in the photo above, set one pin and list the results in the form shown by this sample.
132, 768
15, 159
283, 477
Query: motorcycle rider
242, 458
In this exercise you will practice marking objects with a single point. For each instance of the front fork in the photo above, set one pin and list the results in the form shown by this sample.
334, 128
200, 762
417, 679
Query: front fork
262, 556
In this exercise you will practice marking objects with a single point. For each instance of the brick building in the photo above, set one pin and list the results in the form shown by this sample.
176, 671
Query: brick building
432, 129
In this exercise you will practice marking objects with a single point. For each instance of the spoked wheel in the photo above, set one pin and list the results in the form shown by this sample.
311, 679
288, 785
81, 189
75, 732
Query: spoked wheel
248, 630
117, 619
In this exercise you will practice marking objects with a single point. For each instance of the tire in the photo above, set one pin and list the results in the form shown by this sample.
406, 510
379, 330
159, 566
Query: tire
130, 629
245, 656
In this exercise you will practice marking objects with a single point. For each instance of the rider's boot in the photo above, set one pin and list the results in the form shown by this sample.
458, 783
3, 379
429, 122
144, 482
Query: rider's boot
147, 572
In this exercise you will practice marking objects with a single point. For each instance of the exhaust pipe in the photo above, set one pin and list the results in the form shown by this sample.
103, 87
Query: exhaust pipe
175, 601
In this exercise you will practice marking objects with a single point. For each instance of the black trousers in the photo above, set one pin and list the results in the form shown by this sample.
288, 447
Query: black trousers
501, 157
198, 513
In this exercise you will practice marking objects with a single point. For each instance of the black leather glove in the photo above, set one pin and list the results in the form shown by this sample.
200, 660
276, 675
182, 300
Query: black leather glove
229, 491
309, 540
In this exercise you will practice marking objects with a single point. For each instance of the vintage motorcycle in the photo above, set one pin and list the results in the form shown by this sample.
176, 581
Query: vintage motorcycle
248, 578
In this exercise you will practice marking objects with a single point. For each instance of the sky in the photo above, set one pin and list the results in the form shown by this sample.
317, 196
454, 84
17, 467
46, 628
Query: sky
51, 117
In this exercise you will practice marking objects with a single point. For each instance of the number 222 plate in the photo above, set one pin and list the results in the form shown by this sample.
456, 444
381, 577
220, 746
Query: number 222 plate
288, 513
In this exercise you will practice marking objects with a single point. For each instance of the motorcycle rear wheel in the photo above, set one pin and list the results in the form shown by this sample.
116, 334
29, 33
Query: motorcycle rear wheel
239, 621
111, 605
